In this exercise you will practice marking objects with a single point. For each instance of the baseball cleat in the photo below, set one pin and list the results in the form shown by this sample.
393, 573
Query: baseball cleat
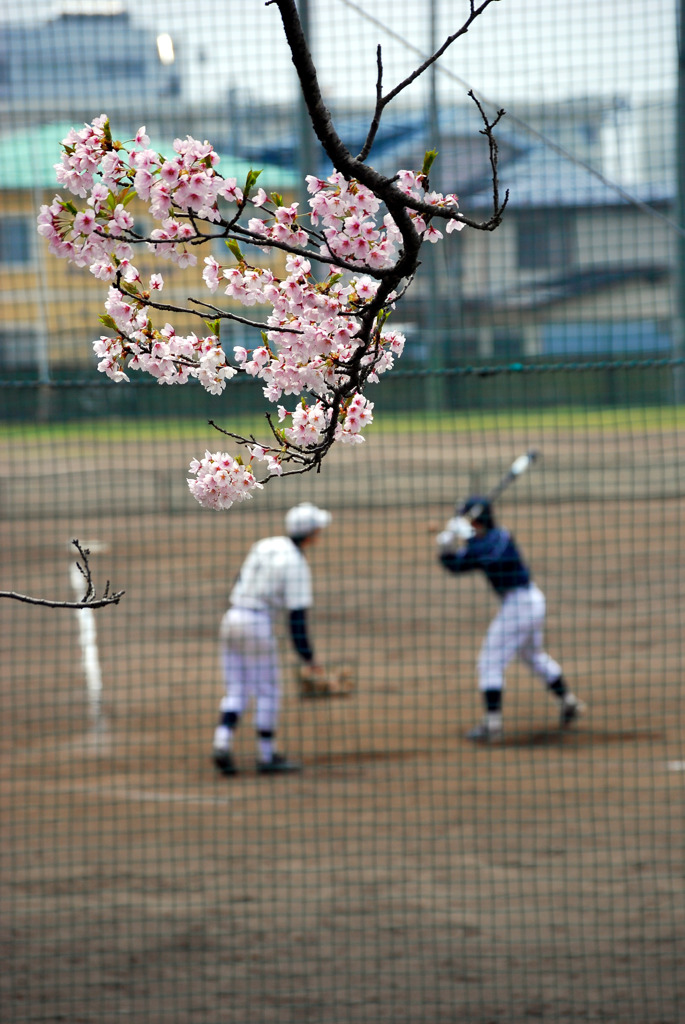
223, 762
484, 732
571, 710
278, 765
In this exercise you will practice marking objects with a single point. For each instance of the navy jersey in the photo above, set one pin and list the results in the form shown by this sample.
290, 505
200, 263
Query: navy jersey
496, 555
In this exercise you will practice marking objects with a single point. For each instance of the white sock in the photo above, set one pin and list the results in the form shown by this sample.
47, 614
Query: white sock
222, 738
266, 749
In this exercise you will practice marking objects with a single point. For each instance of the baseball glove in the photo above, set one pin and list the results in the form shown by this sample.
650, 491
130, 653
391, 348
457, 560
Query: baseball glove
325, 682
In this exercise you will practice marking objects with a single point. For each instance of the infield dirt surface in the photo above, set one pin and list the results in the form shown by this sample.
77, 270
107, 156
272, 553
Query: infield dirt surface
404, 876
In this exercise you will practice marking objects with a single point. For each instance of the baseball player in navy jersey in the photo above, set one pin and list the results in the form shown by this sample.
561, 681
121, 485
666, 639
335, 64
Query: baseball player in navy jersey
517, 629
274, 576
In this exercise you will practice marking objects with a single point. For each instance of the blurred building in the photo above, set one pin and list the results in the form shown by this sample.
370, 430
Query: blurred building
90, 56
583, 263
50, 308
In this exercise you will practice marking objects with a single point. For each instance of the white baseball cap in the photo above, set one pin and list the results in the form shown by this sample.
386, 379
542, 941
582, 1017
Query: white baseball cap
303, 519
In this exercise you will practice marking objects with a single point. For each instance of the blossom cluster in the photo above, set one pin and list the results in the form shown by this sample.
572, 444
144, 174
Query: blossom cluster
220, 480
308, 423
171, 358
314, 330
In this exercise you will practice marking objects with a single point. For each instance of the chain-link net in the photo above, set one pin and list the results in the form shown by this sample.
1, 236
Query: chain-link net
406, 873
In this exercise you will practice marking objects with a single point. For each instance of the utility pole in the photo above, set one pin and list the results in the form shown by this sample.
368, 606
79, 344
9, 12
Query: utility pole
307, 143
435, 392
679, 322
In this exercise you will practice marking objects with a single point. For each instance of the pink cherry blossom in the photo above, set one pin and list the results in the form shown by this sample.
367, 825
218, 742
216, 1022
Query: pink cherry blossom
229, 190
103, 270
311, 324
220, 480
432, 234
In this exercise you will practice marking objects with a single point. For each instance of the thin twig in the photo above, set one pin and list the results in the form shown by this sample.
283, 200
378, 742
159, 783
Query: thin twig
90, 598
488, 131
383, 101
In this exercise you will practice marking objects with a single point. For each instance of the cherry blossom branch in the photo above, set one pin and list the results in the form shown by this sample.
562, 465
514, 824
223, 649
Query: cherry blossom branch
321, 118
222, 314
242, 234
89, 599
309, 457
319, 257
323, 340
335, 149
219, 314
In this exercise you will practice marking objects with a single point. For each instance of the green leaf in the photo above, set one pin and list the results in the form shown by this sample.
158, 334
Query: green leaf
428, 161
330, 281
276, 199
235, 249
214, 326
107, 321
251, 179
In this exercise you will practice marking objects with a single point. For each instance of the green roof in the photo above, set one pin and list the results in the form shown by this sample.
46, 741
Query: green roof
28, 157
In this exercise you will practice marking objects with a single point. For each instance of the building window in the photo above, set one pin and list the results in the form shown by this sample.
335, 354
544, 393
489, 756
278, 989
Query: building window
15, 240
611, 337
507, 345
546, 240
18, 349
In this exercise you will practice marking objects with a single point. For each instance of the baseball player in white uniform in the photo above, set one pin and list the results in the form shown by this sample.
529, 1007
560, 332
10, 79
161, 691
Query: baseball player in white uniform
274, 576
517, 629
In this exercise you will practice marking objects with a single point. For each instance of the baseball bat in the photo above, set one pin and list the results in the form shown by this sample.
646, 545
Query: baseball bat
518, 466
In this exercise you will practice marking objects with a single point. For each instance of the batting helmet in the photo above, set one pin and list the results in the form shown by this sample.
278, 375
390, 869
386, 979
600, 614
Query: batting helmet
484, 514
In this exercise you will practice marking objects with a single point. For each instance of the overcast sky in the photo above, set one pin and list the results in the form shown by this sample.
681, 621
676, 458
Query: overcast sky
520, 50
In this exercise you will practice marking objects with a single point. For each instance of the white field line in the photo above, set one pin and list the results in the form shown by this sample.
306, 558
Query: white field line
150, 796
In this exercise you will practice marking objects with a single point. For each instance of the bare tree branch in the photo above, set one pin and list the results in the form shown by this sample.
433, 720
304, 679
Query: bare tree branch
383, 101
90, 598
378, 110
475, 13
488, 131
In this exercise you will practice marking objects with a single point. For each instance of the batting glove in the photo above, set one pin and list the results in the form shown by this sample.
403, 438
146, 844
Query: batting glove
461, 528
446, 540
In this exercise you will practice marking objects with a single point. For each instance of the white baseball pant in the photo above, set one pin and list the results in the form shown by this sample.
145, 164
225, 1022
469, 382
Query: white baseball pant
516, 631
250, 664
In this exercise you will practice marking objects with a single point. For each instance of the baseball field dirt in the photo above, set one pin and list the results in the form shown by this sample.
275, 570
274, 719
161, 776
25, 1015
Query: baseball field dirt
404, 876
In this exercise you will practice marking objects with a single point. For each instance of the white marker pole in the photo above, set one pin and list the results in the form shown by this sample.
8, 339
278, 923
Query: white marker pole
89, 652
